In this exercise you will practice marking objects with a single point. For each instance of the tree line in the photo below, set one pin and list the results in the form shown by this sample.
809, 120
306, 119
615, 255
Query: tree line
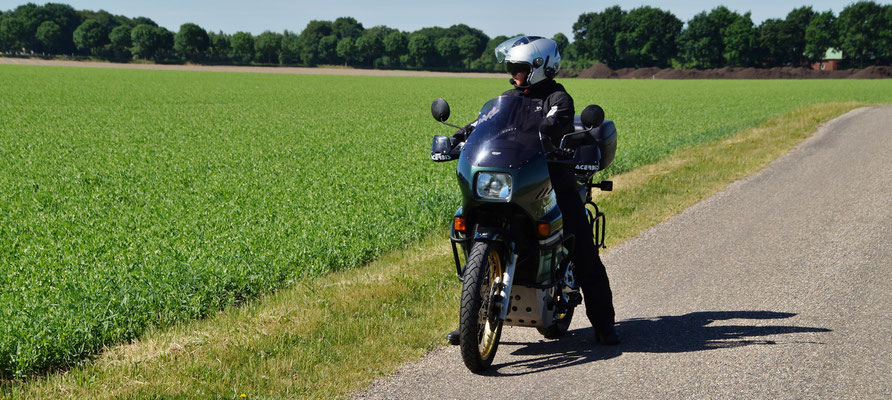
650, 37
641, 37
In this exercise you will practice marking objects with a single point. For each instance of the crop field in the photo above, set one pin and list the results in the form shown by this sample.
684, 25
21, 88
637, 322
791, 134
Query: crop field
133, 199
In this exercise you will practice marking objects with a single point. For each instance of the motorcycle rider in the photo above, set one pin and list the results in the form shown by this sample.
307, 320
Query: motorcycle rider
532, 62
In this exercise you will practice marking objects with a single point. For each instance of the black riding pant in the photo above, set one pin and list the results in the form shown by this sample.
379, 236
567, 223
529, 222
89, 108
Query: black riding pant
589, 270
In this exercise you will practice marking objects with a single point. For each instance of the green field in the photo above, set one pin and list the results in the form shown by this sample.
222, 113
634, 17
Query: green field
131, 199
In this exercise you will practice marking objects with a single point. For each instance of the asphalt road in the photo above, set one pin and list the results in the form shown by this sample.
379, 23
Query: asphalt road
778, 287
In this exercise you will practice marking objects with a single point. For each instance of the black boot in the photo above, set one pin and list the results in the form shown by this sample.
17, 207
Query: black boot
452, 337
606, 335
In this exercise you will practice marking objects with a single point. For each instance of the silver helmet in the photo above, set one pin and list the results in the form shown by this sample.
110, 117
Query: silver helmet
536, 54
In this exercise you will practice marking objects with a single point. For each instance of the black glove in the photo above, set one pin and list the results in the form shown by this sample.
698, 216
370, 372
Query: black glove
461, 135
458, 137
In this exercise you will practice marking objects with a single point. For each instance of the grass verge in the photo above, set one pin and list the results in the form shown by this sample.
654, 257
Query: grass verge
330, 336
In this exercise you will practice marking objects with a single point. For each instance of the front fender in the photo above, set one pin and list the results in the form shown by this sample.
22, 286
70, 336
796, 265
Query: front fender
481, 234
486, 234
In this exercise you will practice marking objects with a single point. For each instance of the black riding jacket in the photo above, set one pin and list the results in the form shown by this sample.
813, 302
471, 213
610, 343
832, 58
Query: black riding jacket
558, 108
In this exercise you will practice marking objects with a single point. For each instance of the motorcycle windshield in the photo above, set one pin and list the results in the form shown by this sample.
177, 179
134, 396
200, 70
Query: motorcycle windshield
507, 133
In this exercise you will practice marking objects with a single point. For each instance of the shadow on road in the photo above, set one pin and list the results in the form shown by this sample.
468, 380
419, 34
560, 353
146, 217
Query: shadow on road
666, 334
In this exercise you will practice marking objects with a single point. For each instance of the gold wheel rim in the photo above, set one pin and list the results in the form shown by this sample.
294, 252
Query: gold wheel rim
487, 327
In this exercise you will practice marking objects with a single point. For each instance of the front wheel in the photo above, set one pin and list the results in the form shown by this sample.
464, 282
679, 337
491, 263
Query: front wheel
479, 325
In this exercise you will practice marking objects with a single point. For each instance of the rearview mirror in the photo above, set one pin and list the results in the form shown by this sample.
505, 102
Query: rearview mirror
440, 110
592, 116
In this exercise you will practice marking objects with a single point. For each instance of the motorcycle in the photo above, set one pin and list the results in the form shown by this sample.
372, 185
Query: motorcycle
509, 230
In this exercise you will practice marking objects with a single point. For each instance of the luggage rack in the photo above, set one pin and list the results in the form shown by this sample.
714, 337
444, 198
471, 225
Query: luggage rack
598, 221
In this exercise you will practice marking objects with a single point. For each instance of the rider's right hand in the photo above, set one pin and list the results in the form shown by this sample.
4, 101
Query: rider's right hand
455, 140
458, 137
462, 134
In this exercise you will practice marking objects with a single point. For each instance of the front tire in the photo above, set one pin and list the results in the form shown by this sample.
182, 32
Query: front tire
479, 328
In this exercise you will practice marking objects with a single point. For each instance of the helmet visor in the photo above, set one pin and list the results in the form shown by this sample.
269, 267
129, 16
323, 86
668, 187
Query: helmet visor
506, 46
514, 68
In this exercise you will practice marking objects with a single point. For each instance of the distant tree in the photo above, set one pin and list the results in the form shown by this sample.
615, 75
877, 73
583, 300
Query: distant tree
18, 28
461, 34
420, 50
886, 37
648, 38
396, 44
152, 42
107, 21
68, 20
487, 60
91, 36
595, 35
863, 30
143, 21
191, 41
562, 43
328, 49
291, 48
468, 49
218, 47
48, 34
432, 33
381, 30
796, 24
12, 33
165, 44
701, 44
267, 47
820, 35
775, 42
145, 41
447, 50
346, 27
104, 18
382, 59
121, 40
369, 46
347, 51
242, 47
569, 58
740, 43
310, 37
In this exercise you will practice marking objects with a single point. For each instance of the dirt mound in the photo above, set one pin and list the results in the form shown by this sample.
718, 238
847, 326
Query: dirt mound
874, 72
601, 71
597, 71
640, 73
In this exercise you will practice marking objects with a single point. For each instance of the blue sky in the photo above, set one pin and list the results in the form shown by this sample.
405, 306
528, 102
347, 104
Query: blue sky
494, 17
